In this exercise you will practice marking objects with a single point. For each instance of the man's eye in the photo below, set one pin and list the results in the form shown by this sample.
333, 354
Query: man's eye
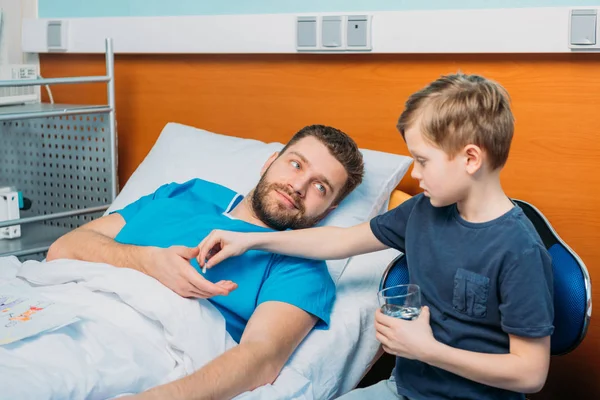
320, 188
295, 164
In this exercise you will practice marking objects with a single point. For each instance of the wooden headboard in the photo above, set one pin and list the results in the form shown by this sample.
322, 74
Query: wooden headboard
554, 161
398, 197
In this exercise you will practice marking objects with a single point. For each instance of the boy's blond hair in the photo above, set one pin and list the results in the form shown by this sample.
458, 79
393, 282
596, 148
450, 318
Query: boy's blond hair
457, 110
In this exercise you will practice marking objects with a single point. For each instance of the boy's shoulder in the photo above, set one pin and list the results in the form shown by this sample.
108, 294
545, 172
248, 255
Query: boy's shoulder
513, 232
520, 234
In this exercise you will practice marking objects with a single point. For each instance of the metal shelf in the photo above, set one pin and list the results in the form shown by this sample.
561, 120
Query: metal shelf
35, 238
71, 165
42, 110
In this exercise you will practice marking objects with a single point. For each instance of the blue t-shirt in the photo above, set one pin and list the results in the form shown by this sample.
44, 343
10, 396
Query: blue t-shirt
183, 214
481, 281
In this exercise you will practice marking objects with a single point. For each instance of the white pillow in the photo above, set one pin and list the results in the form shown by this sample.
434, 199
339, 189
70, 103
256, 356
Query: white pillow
182, 153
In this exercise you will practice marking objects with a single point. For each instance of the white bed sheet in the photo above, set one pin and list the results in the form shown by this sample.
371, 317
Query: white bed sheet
327, 364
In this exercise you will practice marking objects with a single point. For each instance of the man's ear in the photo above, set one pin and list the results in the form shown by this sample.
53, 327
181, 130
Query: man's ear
268, 163
473, 156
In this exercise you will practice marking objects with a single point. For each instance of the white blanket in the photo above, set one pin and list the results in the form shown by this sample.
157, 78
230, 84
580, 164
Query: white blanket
135, 334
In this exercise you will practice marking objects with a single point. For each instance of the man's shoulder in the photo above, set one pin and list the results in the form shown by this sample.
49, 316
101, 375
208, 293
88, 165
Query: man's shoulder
200, 189
316, 269
197, 184
298, 262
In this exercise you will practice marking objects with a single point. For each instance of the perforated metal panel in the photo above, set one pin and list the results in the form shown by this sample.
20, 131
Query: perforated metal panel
60, 163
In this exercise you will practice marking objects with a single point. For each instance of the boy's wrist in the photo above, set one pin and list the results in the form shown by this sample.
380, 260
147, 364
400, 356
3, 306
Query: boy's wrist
258, 241
433, 353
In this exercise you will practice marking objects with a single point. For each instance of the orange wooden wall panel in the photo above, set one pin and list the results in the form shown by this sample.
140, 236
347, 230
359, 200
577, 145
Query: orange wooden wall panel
554, 162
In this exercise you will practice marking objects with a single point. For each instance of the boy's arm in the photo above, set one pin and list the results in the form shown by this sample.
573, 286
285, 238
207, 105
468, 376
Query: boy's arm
326, 243
523, 369
271, 336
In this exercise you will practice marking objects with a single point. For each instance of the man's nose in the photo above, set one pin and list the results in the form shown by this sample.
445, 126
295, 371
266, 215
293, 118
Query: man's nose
298, 185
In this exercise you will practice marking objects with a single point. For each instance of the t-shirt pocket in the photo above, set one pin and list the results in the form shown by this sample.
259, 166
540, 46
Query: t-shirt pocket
470, 293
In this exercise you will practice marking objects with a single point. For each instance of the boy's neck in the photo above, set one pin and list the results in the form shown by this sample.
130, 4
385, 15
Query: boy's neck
485, 201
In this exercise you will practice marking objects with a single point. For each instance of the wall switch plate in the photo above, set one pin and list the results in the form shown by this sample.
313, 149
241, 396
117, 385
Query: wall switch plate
306, 33
331, 33
57, 36
583, 30
358, 32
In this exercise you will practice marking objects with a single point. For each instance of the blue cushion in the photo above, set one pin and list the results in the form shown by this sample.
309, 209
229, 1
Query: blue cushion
398, 274
570, 300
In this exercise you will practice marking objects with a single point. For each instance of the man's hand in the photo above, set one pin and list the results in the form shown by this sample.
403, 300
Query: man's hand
409, 339
220, 245
171, 267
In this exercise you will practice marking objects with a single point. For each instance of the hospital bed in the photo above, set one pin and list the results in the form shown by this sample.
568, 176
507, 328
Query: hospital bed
328, 362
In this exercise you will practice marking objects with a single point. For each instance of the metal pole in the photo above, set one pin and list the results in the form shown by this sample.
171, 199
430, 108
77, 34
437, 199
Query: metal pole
47, 217
54, 81
18, 253
110, 72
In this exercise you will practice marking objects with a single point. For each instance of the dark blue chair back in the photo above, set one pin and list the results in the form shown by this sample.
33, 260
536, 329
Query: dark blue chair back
572, 285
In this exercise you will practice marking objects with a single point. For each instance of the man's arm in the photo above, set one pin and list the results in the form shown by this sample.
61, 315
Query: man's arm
95, 242
271, 336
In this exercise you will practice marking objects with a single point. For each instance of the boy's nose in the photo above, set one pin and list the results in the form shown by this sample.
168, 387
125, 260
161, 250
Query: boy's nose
415, 174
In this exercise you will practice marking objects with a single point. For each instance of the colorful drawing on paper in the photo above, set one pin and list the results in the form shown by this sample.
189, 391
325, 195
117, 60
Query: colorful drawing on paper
6, 302
25, 313
26, 316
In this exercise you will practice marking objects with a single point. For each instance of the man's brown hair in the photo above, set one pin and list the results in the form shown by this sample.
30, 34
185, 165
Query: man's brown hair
342, 147
457, 110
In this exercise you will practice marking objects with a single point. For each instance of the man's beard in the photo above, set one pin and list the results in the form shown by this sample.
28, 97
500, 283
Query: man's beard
276, 216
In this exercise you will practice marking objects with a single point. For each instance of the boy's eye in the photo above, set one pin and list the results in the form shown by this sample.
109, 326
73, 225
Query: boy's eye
421, 161
295, 164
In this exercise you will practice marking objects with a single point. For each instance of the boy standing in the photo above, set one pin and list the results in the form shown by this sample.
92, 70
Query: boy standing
485, 276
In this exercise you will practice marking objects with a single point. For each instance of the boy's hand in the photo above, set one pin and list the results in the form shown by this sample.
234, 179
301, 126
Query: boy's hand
220, 245
409, 339
172, 268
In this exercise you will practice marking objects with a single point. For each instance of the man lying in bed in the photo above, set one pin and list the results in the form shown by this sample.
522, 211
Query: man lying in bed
279, 298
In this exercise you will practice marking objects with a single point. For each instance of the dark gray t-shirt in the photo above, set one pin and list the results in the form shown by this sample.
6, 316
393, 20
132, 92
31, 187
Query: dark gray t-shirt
481, 281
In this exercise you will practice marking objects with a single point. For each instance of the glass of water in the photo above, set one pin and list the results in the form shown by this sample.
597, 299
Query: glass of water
402, 301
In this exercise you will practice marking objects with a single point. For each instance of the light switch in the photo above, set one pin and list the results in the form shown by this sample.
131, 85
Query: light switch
583, 27
56, 35
331, 32
306, 32
357, 31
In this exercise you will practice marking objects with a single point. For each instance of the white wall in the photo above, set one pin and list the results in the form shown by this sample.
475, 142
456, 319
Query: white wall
508, 30
13, 12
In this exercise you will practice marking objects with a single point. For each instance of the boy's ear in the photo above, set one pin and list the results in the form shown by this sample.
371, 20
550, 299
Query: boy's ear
473, 158
268, 163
